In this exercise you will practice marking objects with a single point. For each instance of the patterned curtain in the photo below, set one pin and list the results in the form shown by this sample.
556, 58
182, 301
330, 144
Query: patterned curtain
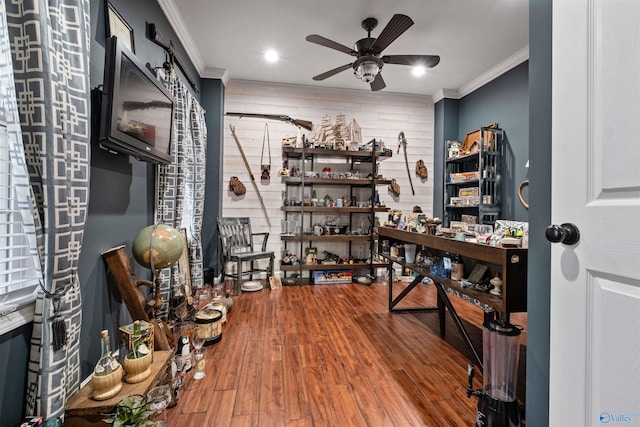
180, 199
50, 53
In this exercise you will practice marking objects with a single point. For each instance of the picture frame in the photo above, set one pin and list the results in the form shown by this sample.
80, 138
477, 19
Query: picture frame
275, 282
116, 25
478, 272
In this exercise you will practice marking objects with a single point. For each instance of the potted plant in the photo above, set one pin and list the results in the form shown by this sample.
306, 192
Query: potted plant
137, 362
131, 411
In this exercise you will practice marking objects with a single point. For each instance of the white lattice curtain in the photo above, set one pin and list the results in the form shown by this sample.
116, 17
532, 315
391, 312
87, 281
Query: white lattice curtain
50, 57
181, 184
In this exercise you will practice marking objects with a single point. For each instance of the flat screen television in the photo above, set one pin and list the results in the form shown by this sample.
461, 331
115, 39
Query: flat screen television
137, 111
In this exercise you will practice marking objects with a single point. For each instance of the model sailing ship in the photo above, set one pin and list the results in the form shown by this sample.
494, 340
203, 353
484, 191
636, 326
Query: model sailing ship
338, 136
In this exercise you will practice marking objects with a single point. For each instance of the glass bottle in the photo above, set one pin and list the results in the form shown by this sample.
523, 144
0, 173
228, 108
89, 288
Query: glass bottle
138, 347
457, 267
107, 364
446, 265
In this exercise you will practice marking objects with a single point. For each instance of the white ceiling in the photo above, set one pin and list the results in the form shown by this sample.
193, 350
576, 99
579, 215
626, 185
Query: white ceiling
476, 40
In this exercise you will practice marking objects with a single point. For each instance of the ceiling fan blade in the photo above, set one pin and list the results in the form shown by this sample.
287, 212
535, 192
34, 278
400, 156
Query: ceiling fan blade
323, 41
394, 29
378, 83
425, 60
332, 72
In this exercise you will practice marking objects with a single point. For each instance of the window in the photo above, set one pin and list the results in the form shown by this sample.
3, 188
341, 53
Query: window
18, 276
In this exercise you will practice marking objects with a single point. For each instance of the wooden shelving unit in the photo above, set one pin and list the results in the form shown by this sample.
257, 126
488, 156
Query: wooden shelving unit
308, 214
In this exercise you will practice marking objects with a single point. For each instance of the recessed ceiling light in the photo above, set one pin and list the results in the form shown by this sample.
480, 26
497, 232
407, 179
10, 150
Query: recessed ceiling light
271, 56
418, 70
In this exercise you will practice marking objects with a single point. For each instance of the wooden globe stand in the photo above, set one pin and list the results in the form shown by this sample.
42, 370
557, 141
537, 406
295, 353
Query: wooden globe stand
129, 287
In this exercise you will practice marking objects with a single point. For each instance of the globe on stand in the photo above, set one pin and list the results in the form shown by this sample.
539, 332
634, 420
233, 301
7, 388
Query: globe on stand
157, 247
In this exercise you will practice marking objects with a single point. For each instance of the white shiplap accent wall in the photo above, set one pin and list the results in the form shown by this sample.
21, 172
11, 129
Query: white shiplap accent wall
381, 115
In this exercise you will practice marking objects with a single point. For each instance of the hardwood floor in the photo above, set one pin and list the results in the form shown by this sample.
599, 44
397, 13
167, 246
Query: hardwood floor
333, 355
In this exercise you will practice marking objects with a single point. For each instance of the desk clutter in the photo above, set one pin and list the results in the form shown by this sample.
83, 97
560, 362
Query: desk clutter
504, 233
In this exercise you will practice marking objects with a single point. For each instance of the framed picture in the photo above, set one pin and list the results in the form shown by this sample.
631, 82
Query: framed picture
275, 282
117, 26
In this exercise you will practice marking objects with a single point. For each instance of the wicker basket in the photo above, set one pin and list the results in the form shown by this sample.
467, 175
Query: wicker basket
107, 386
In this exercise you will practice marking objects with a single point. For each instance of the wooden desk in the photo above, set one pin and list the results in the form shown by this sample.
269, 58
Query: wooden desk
82, 411
511, 263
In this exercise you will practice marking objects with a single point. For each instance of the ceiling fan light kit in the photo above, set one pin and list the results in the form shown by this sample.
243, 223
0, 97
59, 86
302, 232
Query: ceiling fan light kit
368, 63
366, 69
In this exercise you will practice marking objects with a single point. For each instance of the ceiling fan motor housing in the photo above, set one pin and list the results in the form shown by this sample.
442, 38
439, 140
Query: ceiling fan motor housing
363, 47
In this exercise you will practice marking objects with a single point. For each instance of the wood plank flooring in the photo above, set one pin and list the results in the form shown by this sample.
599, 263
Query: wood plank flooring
333, 355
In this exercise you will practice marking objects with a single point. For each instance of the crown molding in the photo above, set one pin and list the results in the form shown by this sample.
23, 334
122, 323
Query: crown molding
445, 93
216, 73
501, 68
504, 66
174, 18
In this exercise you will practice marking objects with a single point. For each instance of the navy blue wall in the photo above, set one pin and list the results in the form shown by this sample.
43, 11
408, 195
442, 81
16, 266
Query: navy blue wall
121, 203
446, 129
14, 350
122, 188
213, 103
539, 273
504, 100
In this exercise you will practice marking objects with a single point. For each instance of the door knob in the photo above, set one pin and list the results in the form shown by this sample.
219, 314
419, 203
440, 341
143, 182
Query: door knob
566, 233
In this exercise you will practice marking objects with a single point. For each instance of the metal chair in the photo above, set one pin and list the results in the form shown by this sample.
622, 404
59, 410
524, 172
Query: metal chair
237, 246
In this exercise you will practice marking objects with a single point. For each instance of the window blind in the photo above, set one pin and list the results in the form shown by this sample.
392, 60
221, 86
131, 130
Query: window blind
18, 277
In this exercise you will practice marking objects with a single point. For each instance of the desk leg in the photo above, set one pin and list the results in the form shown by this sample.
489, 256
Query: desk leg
390, 283
441, 314
458, 322
393, 302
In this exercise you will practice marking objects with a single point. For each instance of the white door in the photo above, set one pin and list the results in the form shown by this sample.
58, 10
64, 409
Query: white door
595, 284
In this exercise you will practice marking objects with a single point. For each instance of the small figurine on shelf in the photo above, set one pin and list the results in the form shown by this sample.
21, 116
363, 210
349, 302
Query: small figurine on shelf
183, 353
454, 149
496, 281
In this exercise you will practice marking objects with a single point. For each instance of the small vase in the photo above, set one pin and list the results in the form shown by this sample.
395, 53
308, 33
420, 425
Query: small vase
107, 386
137, 369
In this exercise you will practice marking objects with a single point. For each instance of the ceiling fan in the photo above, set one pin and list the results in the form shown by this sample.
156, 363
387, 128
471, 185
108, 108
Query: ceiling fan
367, 51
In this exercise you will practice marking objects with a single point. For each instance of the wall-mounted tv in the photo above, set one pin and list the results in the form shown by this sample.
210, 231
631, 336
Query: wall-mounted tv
137, 111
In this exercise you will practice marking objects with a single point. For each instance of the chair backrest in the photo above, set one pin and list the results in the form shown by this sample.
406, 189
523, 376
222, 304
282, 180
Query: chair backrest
235, 235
